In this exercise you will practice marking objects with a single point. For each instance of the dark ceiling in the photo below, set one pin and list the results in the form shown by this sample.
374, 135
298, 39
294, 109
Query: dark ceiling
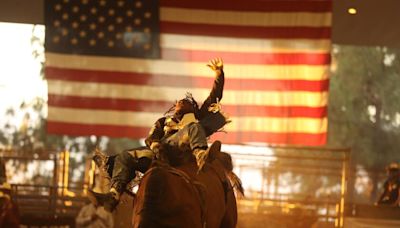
375, 23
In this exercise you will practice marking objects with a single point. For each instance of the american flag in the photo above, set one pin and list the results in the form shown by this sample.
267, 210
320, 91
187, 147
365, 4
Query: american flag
104, 77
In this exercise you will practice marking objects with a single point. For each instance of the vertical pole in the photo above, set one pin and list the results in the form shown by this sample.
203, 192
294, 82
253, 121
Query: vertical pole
66, 172
53, 189
342, 191
61, 174
91, 172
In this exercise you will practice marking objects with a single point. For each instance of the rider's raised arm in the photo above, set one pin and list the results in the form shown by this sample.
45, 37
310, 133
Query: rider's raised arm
217, 90
156, 132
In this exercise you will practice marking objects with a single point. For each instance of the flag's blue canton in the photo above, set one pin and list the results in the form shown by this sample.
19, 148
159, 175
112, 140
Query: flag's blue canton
127, 28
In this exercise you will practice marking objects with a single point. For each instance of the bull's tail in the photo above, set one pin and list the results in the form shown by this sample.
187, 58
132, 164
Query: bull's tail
226, 161
236, 183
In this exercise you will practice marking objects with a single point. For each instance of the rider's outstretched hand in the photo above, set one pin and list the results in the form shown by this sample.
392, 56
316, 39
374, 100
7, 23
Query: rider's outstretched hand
216, 64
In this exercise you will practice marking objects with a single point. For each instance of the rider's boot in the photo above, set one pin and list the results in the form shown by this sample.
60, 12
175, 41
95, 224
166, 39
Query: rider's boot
205, 155
213, 150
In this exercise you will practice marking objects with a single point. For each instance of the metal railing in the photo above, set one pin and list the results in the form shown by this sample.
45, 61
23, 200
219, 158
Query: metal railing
277, 165
47, 205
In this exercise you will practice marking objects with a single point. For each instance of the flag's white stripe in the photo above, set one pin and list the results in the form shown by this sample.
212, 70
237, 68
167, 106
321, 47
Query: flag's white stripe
186, 69
170, 94
214, 17
278, 125
146, 119
244, 45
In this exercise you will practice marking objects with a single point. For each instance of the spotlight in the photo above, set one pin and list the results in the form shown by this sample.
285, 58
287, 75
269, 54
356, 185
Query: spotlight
352, 10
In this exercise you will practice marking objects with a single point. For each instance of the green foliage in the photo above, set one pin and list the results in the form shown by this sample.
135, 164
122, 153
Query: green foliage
363, 105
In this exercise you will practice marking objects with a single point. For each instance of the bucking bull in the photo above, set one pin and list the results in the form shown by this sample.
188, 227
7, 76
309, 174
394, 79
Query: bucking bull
174, 193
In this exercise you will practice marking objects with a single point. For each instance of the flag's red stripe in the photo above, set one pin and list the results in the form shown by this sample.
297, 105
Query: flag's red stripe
232, 57
98, 129
252, 5
295, 32
247, 58
231, 137
272, 138
163, 106
132, 78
